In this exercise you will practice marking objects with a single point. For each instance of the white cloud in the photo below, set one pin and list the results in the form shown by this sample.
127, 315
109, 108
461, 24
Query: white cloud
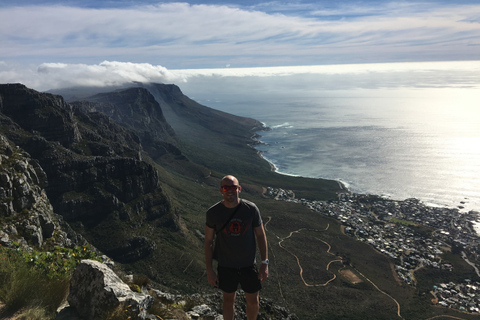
345, 69
109, 73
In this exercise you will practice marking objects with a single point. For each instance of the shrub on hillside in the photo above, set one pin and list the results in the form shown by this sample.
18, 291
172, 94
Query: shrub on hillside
38, 279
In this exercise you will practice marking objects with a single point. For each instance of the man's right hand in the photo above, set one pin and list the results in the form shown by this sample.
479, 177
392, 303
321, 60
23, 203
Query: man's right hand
212, 278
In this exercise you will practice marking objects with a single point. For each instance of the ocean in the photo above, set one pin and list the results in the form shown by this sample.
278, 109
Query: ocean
400, 130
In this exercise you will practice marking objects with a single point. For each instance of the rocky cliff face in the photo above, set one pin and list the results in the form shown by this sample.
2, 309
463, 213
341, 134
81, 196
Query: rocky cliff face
96, 178
137, 110
26, 215
199, 125
183, 112
47, 115
92, 153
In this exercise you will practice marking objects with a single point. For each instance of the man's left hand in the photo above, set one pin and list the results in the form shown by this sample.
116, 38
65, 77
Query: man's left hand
263, 272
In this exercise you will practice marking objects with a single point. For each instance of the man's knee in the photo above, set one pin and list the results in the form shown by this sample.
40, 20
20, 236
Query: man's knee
229, 298
252, 298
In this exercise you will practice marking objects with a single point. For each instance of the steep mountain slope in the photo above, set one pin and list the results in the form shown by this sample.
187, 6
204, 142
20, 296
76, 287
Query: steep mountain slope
215, 139
137, 110
96, 177
209, 137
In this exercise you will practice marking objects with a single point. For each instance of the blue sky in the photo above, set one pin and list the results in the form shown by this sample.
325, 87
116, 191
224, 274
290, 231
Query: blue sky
166, 35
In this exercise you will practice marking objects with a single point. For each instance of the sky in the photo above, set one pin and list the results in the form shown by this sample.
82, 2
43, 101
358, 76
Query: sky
49, 44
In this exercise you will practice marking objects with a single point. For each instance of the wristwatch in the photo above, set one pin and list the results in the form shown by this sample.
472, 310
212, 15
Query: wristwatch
265, 261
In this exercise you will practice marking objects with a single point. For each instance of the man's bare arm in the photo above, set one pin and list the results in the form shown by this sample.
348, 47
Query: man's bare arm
263, 248
209, 237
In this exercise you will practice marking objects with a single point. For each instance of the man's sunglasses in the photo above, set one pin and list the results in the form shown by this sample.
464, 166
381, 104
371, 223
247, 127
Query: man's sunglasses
233, 188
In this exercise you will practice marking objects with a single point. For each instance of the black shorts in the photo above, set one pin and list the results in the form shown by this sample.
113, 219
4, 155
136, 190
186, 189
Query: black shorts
230, 278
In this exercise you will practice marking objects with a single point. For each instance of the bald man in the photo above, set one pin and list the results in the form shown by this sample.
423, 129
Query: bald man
236, 227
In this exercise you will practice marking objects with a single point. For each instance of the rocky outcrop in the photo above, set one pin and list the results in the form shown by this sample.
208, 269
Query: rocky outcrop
210, 306
96, 291
28, 108
102, 136
25, 210
94, 187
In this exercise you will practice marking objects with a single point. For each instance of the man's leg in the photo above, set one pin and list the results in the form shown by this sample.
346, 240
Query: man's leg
252, 305
229, 305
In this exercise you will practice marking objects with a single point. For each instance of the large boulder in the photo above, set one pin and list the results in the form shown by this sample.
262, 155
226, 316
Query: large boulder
95, 290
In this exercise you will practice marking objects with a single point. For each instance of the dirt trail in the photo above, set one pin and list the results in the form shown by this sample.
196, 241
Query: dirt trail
383, 292
445, 316
274, 261
328, 265
334, 276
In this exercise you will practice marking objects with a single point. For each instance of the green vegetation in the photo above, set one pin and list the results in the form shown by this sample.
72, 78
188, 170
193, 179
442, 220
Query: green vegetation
60, 263
34, 284
428, 277
38, 281
24, 286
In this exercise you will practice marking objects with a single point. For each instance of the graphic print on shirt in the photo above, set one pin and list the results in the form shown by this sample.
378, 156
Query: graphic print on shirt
237, 227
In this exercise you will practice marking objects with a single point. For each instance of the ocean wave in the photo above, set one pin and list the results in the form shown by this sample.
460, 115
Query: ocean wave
345, 183
283, 125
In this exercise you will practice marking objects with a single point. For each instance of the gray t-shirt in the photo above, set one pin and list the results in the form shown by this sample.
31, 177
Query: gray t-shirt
236, 243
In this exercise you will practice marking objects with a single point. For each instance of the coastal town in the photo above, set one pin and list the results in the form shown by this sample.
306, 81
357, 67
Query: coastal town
387, 225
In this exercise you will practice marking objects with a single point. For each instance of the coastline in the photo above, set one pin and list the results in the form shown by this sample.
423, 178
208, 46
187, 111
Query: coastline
344, 186
463, 203
475, 224
274, 168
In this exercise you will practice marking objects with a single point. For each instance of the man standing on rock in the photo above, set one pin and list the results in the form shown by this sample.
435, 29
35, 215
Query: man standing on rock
234, 224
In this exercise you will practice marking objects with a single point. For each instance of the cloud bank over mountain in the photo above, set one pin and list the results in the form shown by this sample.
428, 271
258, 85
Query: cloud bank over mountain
108, 73
113, 73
